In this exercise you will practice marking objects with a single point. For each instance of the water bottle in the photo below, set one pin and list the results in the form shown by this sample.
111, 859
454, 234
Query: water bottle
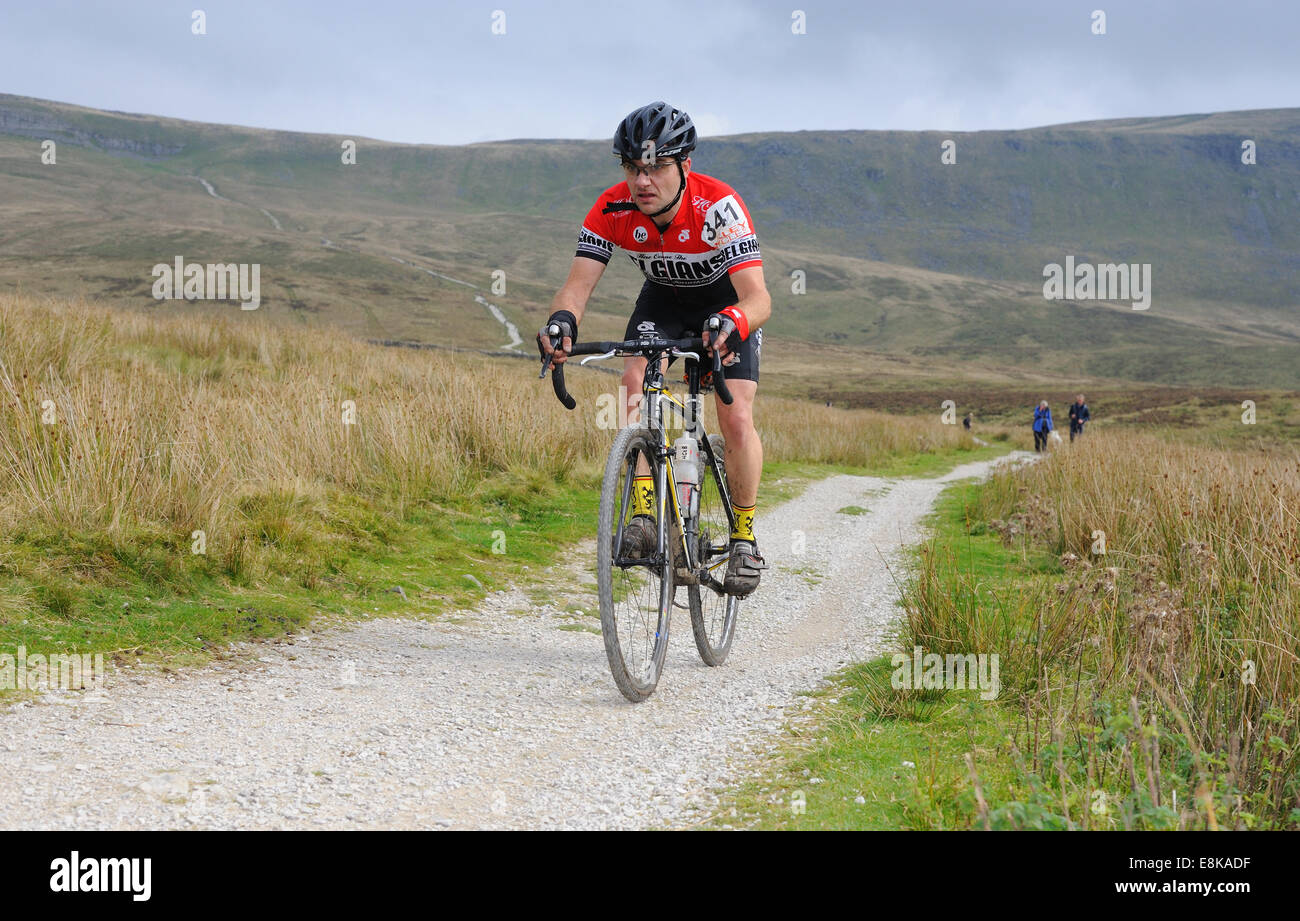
686, 467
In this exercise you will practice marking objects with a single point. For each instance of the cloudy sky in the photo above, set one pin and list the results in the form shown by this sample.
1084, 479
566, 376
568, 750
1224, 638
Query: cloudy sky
437, 72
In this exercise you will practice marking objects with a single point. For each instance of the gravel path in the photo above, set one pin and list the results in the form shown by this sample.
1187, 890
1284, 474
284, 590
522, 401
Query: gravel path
507, 718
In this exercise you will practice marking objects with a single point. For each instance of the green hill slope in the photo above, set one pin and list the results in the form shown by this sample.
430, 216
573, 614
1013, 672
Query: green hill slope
914, 268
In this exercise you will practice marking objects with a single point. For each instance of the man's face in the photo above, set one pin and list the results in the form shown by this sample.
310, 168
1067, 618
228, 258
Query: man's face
653, 186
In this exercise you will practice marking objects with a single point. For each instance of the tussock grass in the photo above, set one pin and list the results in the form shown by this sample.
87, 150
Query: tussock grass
1156, 684
796, 431
179, 421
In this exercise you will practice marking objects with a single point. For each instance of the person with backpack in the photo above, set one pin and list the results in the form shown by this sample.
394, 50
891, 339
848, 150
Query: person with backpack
1042, 425
1079, 414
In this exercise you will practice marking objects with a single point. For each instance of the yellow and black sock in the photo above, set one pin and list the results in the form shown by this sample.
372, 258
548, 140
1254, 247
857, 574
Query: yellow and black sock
744, 529
643, 495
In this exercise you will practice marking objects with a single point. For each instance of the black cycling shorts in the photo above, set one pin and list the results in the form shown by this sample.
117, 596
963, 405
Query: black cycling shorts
656, 312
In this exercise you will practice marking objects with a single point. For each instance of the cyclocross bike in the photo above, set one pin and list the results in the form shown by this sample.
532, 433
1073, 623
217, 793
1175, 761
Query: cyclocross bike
692, 513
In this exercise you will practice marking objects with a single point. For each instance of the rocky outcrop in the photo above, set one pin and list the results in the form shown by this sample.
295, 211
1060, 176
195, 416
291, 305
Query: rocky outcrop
34, 123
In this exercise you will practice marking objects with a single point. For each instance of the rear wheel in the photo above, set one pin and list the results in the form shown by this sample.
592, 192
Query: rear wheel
713, 613
636, 593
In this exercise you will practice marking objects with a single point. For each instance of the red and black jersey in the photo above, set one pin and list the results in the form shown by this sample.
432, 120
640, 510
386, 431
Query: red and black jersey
710, 237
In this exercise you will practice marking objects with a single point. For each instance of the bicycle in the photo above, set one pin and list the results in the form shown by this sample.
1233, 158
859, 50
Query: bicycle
692, 513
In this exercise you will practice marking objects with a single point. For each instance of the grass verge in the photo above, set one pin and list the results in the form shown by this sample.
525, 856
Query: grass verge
1148, 684
866, 756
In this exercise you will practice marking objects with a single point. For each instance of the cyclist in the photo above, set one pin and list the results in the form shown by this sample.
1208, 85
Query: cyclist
693, 239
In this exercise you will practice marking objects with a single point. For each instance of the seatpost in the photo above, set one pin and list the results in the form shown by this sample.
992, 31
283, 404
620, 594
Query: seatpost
650, 406
692, 401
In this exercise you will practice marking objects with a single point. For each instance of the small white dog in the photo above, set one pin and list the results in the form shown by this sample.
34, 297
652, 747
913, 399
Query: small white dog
1055, 437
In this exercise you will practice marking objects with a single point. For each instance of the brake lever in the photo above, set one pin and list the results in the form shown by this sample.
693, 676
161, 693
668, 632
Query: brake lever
719, 375
549, 358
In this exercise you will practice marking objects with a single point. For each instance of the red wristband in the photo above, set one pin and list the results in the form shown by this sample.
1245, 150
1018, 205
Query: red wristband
742, 324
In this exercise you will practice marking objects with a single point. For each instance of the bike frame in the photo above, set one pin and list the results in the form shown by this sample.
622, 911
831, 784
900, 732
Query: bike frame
655, 396
650, 439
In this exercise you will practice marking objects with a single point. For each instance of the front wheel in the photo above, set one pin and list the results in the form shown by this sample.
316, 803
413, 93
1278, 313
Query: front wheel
636, 587
713, 613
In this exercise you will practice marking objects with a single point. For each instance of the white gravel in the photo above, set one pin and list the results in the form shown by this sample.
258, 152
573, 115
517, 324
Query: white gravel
500, 720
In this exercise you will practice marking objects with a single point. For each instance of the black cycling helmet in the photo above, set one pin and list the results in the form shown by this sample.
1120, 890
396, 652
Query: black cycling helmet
671, 130
673, 134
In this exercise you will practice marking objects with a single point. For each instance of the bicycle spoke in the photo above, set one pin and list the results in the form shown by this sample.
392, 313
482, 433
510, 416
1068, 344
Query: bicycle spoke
713, 613
633, 622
